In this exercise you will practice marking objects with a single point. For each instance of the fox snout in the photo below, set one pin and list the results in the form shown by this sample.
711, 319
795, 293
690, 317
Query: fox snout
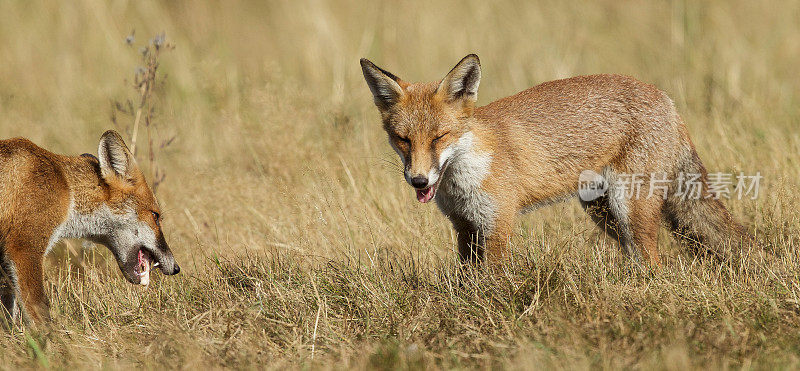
421, 170
419, 182
422, 180
168, 265
165, 259
424, 184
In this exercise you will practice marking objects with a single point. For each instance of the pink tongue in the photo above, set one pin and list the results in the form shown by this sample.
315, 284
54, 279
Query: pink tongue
425, 195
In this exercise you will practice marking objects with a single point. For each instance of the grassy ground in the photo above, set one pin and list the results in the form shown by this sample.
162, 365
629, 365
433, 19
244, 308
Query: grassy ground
300, 243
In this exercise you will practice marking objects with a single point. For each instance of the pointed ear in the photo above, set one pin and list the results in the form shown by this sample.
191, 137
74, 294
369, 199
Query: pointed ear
461, 83
384, 85
114, 156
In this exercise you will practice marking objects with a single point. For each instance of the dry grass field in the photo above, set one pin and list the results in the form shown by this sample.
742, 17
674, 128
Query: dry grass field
301, 244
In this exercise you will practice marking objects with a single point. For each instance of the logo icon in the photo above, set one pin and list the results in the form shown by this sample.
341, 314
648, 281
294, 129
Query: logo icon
591, 185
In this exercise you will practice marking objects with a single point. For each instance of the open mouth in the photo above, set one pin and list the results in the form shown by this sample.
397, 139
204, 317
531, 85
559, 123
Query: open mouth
144, 266
426, 194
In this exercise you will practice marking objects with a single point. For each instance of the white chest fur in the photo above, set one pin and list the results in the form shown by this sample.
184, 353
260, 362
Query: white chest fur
460, 194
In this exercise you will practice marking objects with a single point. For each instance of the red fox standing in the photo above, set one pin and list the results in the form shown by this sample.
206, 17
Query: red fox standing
484, 165
45, 197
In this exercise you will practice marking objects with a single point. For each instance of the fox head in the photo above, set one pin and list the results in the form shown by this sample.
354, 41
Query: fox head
124, 214
428, 123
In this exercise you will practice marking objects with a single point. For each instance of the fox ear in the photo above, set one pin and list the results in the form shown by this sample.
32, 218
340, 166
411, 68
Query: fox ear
461, 83
384, 85
114, 156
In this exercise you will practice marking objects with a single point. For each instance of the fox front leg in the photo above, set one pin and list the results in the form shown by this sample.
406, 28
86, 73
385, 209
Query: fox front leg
498, 239
28, 278
31, 289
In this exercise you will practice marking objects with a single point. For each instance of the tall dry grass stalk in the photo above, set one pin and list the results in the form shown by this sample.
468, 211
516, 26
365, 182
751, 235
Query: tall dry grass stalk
142, 108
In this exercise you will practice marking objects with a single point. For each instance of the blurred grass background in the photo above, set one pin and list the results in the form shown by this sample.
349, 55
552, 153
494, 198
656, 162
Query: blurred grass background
279, 156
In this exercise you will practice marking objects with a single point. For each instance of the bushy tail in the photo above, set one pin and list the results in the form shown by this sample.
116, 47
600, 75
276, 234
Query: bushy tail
703, 222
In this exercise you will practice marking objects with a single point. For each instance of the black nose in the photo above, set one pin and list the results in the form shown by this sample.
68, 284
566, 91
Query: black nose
419, 181
177, 269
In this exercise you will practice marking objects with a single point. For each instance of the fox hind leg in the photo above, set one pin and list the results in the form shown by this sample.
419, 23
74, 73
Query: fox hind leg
645, 222
630, 217
611, 212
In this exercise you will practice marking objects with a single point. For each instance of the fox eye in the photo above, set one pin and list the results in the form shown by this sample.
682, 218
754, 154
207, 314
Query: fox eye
156, 217
441, 136
403, 139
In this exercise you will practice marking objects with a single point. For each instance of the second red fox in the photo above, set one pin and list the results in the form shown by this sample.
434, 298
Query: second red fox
48, 197
485, 165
